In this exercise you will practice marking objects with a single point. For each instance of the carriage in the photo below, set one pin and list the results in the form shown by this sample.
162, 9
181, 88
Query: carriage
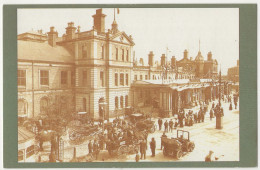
141, 123
179, 146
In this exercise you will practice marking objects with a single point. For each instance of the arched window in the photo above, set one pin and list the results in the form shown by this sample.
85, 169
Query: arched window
121, 101
126, 101
116, 102
22, 107
84, 105
44, 106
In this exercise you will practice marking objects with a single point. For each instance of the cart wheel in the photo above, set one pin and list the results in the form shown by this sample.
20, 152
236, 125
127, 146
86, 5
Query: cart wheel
122, 150
191, 147
179, 154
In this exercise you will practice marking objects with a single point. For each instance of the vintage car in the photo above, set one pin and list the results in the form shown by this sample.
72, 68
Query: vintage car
179, 146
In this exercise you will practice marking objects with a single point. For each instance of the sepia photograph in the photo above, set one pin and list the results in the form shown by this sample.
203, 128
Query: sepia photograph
128, 85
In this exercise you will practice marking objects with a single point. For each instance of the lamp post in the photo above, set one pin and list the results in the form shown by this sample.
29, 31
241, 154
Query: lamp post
219, 110
102, 105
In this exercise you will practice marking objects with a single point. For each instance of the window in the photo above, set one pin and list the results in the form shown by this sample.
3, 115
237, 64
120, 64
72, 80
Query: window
123, 54
116, 102
126, 79
116, 79
84, 105
21, 107
102, 78
103, 52
126, 101
121, 101
84, 52
44, 77
64, 77
141, 77
21, 78
135, 77
146, 77
85, 78
44, 106
121, 79
29, 151
116, 53
127, 53
72, 78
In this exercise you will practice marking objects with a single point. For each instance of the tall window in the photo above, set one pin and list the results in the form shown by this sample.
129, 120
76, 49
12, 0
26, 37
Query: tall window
64, 77
116, 102
121, 79
126, 79
84, 52
127, 55
135, 77
116, 79
121, 101
102, 78
126, 101
141, 77
146, 77
21, 78
44, 77
103, 52
72, 78
123, 55
84, 105
44, 106
85, 78
116, 53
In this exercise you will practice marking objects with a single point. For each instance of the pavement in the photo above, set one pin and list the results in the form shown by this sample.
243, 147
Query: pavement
223, 142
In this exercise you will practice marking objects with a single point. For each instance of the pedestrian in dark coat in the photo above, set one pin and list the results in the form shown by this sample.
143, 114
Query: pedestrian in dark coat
153, 146
163, 136
171, 125
160, 123
195, 117
230, 106
90, 147
143, 149
211, 114
166, 124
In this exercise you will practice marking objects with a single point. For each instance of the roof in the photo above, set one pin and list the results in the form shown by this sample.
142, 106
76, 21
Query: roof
199, 57
24, 134
42, 51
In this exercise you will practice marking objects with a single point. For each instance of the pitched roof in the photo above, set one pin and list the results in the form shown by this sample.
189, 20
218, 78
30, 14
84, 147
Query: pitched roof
42, 51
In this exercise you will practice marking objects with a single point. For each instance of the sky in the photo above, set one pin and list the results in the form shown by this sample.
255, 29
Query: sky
154, 29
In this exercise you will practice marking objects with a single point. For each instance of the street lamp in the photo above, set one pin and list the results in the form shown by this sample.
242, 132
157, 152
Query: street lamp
102, 105
219, 110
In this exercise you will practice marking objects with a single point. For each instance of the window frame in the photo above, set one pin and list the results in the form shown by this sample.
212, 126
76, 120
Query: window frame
19, 77
102, 83
126, 79
64, 80
122, 80
48, 78
116, 79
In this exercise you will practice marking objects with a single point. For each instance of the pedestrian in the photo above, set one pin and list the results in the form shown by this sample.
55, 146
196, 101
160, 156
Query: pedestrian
153, 146
96, 149
199, 117
213, 105
195, 117
230, 106
90, 147
209, 157
235, 105
171, 125
160, 123
211, 114
143, 149
162, 137
166, 124
137, 157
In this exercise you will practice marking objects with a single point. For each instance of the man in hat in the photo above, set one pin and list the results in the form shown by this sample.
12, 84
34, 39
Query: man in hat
153, 146
171, 125
160, 123
143, 147
166, 124
163, 136
90, 147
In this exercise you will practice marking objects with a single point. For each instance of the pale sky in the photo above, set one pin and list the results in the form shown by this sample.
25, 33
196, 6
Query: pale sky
153, 29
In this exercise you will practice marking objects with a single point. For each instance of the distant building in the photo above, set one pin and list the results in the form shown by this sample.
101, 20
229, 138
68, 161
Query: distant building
233, 73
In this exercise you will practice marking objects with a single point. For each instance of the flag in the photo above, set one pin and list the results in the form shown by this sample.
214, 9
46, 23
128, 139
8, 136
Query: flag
118, 11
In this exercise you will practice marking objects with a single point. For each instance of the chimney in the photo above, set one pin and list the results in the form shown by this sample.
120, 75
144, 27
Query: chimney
141, 61
150, 59
185, 54
209, 56
99, 21
52, 37
70, 30
173, 61
163, 60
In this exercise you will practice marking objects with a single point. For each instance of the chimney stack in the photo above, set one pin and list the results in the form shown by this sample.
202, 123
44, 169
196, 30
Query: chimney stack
150, 59
163, 60
185, 54
70, 31
52, 37
173, 61
99, 21
141, 61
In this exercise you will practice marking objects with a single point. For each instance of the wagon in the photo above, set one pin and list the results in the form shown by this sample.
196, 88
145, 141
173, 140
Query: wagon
179, 146
122, 148
141, 123
83, 131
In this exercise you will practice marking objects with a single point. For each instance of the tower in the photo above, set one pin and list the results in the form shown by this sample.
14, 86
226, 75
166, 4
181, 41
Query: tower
99, 21
163, 60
